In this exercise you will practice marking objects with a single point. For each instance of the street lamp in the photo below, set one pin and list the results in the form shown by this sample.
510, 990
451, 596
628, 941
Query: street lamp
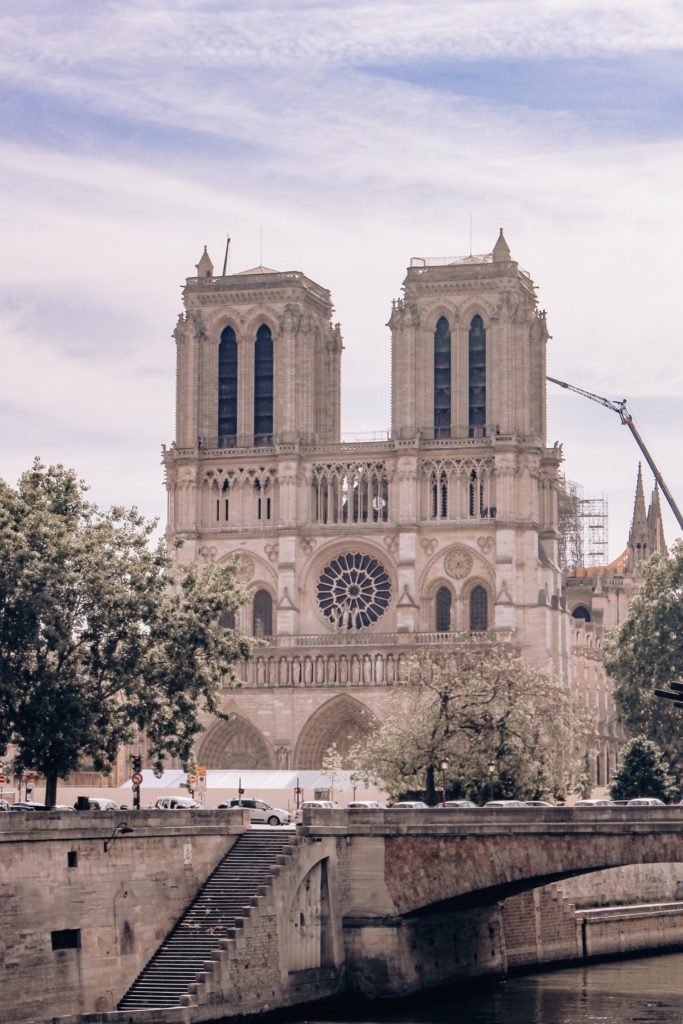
444, 768
122, 829
491, 770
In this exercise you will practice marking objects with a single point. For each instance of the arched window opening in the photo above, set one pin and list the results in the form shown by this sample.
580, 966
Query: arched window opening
443, 610
479, 610
227, 389
477, 378
442, 378
439, 496
581, 612
263, 387
227, 620
476, 496
263, 501
263, 614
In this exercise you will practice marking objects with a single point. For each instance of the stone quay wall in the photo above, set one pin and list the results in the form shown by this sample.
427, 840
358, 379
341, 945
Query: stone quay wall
108, 910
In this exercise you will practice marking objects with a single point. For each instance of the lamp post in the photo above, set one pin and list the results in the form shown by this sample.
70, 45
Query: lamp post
122, 829
444, 768
491, 770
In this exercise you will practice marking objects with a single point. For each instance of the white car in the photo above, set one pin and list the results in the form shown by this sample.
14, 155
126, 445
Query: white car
321, 805
646, 801
261, 812
102, 803
409, 805
175, 803
593, 803
367, 805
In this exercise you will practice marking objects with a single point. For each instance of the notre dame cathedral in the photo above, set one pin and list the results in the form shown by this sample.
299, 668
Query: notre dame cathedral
357, 555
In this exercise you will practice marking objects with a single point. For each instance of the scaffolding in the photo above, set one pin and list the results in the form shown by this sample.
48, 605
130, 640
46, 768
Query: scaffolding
583, 527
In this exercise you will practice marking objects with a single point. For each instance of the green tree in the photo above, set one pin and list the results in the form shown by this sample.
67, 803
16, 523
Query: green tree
101, 635
332, 767
584, 783
646, 651
643, 772
477, 706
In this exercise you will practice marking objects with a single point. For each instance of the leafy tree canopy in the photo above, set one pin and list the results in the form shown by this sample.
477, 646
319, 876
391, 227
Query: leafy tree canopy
646, 651
505, 729
101, 634
643, 772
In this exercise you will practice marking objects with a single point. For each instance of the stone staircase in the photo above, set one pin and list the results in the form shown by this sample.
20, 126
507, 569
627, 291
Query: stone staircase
220, 907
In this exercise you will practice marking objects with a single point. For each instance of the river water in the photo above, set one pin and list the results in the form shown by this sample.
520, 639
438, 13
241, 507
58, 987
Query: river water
638, 991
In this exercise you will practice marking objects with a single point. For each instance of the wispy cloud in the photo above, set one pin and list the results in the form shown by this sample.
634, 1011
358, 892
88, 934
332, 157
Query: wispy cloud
356, 135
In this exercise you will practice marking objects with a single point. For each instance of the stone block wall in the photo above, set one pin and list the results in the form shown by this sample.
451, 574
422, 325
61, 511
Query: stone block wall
109, 910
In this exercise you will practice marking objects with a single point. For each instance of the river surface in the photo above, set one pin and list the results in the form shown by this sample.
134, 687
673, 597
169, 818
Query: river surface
639, 991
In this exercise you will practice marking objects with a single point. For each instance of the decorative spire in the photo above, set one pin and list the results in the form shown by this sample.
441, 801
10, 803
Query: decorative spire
639, 536
205, 266
501, 250
655, 526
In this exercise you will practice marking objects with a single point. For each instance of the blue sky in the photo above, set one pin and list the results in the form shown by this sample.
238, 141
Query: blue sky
354, 136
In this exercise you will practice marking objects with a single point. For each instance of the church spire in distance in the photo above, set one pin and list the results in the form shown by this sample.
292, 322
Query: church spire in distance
501, 250
638, 538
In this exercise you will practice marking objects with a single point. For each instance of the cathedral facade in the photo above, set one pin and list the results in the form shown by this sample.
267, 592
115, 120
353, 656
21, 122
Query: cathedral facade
357, 555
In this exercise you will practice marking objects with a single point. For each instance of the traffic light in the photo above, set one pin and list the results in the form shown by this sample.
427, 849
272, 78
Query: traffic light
137, 762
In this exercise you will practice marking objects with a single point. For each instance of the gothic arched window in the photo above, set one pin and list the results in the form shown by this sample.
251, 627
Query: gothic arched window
442, 378
443, 610
263, 387
581, 612
477, 378
263, 614
227, 389
479, 610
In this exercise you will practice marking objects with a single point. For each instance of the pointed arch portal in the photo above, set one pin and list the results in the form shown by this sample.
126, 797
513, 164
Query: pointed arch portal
343, 720
235, 743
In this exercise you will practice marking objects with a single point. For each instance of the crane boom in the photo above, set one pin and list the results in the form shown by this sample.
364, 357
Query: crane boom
627, 419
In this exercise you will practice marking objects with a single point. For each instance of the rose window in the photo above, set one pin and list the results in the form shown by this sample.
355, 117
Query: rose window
354, 591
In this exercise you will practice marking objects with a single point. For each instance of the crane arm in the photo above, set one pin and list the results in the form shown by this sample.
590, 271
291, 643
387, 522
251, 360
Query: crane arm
618, 407
625, 416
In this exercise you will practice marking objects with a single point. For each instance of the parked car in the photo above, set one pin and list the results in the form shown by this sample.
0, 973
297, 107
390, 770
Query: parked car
4, 806
593, 803
505, 804
367, 805
410, 805
27, 805
645, 801
458, 803
538, 803
261, 812
175, 803
100, 803
321, 805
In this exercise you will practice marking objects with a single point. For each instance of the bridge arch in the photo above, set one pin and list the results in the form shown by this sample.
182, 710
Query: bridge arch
235, 743
343, 720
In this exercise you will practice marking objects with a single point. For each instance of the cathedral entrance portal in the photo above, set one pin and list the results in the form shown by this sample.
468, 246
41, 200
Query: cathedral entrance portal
342, 721
235, 744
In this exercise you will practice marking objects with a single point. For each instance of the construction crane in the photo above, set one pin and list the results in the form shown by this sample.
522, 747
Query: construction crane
625, 416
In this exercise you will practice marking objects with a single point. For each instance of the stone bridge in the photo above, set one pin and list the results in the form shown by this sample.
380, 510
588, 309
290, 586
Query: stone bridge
422, 892
382, 902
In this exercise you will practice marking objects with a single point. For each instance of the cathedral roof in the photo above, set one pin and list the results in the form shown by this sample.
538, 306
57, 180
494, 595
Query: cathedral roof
257, 270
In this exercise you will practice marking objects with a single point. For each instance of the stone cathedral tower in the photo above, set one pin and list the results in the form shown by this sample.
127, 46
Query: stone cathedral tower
358, 554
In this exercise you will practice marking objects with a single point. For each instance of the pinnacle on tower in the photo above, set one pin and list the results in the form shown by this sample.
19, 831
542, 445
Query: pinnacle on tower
205, 266
655, 525
501, 250
639, 536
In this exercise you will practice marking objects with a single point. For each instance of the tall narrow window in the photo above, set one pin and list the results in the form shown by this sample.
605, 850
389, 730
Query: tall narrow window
479, 610
263, 614
442, 378
263, 387
443, 610
227, 389
477, 378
